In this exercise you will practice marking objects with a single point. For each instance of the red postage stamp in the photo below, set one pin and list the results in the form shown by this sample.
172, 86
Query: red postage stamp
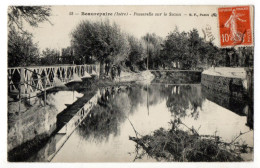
235, 26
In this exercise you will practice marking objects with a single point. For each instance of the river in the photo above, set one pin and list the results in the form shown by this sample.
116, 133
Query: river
103, 136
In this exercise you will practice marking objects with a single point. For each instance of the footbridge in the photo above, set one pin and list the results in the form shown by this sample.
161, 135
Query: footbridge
24, 81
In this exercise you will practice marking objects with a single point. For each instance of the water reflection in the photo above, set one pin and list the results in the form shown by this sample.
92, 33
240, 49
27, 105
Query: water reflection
105, 119
104, 135
232, 103
184, 100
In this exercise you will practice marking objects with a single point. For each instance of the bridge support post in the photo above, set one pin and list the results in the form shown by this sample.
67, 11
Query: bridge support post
22, 80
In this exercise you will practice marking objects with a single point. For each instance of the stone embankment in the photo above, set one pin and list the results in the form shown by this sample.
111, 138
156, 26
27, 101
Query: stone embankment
144, 76
232, 81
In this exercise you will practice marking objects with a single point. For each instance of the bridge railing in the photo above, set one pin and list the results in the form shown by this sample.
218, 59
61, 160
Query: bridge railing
26, 80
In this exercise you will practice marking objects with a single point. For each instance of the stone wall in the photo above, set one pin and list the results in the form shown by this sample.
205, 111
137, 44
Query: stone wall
177, 77
227, 85
34, 121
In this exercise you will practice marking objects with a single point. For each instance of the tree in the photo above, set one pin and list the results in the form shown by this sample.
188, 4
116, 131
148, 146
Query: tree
190, 50
33, 15
22, 51
67, 56
137, 50
175, 48
195, 43
153, 45
50, 56
246, 55
101, 41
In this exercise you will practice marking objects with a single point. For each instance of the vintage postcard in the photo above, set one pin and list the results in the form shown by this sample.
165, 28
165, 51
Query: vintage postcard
130, 84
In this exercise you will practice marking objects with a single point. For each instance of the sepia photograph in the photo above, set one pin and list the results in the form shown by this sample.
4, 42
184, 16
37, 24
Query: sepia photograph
162, 83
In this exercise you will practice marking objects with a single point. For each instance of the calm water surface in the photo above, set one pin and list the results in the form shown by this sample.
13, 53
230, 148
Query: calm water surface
104, 135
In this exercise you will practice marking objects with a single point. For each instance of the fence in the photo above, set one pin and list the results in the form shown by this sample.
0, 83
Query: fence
27, 80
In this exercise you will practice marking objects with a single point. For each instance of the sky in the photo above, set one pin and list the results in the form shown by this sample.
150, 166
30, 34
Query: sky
58, 35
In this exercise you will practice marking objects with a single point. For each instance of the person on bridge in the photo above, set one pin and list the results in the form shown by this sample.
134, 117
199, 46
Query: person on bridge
107, 94
113, 72
118, 70
107, 69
